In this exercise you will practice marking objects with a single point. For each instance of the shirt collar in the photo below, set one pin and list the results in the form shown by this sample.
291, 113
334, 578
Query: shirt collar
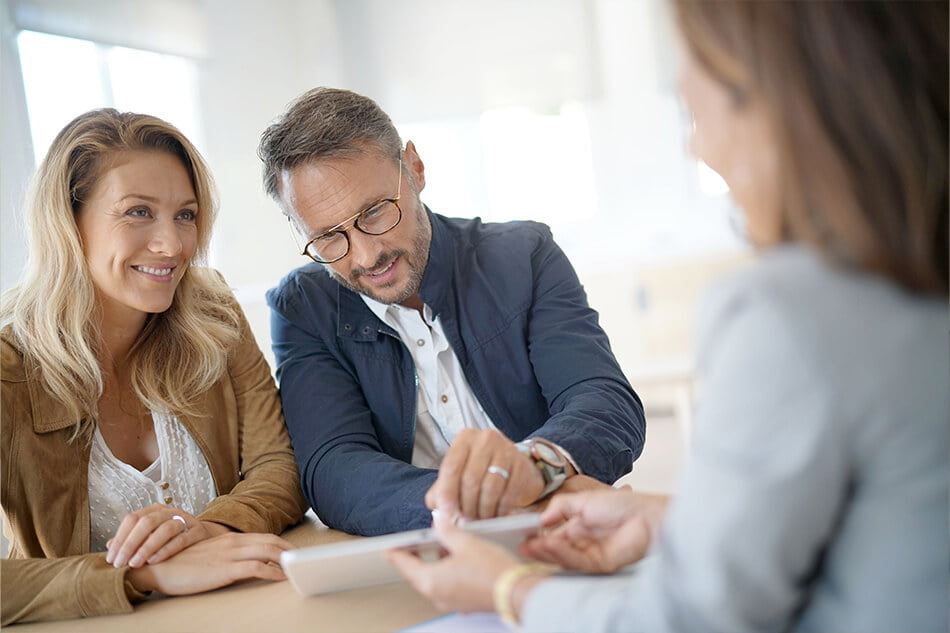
388, 313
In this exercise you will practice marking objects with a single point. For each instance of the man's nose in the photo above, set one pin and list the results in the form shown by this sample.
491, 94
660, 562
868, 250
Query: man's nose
364, 249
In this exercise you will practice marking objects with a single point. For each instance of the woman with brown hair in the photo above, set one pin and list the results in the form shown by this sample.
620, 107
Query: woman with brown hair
816, 493
142, 430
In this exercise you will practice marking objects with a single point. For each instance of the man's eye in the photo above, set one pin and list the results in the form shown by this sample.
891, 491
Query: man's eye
371, 213
328, 238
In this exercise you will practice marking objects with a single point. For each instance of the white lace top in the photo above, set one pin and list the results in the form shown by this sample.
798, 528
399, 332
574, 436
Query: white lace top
180, 477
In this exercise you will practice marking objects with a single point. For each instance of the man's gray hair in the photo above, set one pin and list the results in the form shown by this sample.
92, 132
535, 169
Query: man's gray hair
324, 123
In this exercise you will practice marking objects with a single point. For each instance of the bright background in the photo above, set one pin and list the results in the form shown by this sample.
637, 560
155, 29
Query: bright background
562, 111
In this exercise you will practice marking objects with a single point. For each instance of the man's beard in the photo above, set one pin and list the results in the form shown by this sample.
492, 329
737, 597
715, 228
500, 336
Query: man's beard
416, 260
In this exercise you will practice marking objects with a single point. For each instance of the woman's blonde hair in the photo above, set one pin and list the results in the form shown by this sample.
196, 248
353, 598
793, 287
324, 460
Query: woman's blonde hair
857, 94
52, 313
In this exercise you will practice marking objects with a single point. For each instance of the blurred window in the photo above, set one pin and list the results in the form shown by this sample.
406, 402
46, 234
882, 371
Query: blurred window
64, 77
510, 164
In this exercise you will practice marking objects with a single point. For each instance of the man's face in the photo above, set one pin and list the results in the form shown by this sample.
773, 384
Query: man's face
320, 195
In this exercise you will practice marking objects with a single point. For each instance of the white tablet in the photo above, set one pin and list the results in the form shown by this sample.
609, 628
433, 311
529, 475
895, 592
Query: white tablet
360, 563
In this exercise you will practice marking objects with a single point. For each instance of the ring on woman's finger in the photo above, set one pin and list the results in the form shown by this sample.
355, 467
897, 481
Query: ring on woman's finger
498, 470
184, 526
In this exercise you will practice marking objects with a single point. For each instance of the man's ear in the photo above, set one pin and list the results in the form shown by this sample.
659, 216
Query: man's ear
410, 158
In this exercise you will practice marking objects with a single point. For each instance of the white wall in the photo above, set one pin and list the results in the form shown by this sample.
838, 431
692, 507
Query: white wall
436, 66
261, 56
16, 154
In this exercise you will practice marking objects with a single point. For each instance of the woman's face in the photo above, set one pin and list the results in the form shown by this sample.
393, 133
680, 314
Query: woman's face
735, 139
139, 233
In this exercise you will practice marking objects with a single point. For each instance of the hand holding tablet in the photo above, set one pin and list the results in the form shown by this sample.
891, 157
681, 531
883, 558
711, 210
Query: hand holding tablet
360, 563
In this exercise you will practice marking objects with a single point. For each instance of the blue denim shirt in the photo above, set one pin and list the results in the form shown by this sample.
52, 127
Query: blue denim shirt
531, 348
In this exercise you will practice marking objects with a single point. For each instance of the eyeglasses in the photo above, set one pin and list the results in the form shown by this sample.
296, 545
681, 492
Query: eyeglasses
378, 218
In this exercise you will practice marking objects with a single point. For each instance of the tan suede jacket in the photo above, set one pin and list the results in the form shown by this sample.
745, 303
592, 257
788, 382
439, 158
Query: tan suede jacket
45, 497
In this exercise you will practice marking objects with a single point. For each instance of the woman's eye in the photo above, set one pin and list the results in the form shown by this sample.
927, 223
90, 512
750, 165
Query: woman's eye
188, 215
138, 212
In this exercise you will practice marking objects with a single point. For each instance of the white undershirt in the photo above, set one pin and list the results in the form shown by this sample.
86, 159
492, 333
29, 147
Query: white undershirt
445, 403
179, 477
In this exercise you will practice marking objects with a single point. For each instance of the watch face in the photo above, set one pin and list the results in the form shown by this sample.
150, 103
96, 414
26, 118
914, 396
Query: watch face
546, 454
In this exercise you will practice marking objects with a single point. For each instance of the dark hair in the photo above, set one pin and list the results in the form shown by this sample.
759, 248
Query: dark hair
857, 93
323, 123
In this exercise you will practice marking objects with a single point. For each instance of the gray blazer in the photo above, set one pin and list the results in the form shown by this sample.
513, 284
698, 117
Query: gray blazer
815, 497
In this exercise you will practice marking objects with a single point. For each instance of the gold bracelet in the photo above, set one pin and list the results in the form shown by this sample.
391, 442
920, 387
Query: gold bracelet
503, 590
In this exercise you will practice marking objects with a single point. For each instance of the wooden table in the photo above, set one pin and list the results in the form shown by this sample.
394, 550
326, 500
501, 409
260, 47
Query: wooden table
259, 606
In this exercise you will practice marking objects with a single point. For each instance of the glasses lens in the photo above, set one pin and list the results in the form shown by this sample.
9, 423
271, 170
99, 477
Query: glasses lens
380, 218
328, 248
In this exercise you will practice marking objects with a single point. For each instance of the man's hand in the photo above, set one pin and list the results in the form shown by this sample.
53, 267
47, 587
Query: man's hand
575, 483
581, 483
155, 533
214, 563
465, 484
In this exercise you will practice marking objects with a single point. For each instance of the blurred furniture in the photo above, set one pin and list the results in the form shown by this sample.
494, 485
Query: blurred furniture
649, 310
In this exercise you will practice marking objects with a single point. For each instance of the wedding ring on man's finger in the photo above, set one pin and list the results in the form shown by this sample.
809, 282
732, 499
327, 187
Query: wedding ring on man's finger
181, 519
498, 470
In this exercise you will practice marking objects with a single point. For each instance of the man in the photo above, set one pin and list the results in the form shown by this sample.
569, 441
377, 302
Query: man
417, 340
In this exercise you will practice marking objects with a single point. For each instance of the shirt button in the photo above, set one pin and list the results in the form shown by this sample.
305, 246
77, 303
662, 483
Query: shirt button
445, 399
420, 342
165, 486
168, 500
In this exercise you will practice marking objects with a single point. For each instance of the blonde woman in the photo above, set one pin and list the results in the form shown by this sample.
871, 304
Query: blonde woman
816, 493
142, 431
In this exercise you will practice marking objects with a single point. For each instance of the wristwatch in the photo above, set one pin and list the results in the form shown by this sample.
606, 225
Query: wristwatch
553, 467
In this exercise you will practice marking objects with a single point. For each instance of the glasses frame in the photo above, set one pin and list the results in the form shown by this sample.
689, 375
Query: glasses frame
355, 219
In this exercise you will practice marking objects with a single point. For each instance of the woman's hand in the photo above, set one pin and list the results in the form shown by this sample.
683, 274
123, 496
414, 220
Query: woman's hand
597, 532
153, 534
213, 563
464, 579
